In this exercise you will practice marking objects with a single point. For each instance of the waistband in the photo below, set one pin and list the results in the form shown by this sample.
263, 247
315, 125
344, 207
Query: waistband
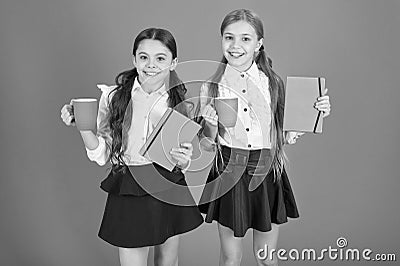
238, 156
140, 180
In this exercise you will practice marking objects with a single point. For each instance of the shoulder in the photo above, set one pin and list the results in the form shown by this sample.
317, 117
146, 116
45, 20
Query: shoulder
107, 92
263, 77
106, 89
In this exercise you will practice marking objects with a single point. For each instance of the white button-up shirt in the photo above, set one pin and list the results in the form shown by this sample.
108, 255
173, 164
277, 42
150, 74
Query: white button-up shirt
146, 113
253, 126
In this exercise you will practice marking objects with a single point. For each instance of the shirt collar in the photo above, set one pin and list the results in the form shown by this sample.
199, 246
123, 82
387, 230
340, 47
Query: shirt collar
252, 73
136, 87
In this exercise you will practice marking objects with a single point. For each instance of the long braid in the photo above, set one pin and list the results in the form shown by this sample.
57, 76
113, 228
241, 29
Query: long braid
277, 92
119, 113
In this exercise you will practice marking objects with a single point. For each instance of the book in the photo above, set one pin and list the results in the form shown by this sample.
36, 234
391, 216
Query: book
172, 129
301, 94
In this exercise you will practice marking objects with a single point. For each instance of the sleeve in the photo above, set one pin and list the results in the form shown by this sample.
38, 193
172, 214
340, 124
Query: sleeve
205, 142
183, 170
101, 153
290, 137
204, 96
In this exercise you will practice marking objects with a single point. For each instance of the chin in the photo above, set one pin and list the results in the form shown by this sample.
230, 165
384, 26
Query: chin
239, 65
150, 80
156, 81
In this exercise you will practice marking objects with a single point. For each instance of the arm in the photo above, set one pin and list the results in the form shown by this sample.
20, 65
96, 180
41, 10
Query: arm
89, 139
210, 124
290, 137
97, 146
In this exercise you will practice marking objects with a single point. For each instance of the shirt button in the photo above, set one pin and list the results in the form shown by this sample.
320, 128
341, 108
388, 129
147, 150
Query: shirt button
244, 91
245, 109
247, 129
249, 145
242, 75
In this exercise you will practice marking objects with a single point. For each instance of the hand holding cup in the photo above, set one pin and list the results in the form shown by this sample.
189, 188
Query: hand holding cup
81, 113
67, 114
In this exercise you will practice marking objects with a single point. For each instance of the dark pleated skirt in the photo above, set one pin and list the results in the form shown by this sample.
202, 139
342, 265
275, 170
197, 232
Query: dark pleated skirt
146, 205
228, 200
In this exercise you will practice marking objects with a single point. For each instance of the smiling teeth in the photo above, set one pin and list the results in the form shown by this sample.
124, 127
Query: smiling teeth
151, 73
235, 54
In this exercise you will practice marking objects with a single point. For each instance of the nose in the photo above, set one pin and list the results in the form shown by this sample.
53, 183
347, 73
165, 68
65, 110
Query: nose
235, 42
150, 63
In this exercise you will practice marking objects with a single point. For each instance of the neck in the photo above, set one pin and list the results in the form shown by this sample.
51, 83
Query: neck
150, 88
244, 68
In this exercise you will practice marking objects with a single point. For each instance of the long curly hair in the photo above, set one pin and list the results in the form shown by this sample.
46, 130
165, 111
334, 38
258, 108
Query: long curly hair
276, 86
120, 113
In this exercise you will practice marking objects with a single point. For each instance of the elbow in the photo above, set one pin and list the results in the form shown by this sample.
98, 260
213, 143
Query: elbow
101, 163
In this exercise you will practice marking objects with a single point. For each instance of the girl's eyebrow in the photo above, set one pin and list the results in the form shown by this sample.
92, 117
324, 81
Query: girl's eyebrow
242, 34
141, 52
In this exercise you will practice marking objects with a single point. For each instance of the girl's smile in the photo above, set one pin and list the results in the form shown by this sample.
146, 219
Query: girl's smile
235, 54
150, 73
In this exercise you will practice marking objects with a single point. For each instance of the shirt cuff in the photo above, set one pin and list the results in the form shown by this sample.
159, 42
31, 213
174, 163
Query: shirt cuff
98, 154
187, 167
207, 143
292, 136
